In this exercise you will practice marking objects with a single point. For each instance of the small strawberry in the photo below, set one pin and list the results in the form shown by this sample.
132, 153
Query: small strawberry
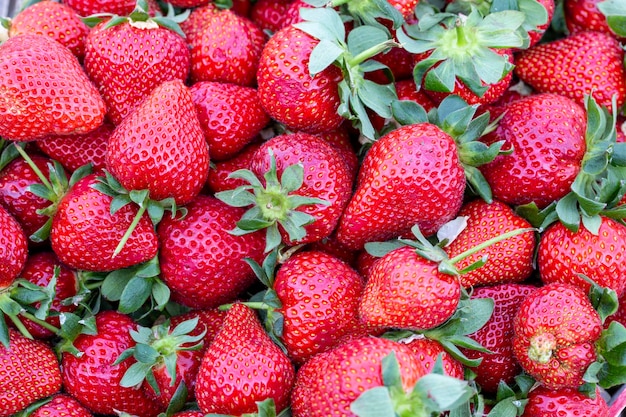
243, 366
219, 178
544, 402
575, 66
30, 107
13, 248
30, 372
428, 351
555, 331
62, 405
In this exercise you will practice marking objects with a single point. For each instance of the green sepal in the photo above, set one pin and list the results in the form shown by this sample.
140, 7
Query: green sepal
615, 13
370, 12
407, 112
604, 300
9, 153
73, 325
611, 349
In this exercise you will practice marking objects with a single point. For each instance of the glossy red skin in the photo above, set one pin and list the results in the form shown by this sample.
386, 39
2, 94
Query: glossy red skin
220, 170
292, 14
39, 270
200, 261
13, 248
62, 405
566, 402
118, 7
547, 134
320, 297
341, 141
30, 372
563, 255
326, 176
510, 260
584, 15
243, 366
407, 90
28, 64
287, 91
74, 151
160, 146
561, 312
428, 351
333, 247
329, 382
53, 19
15, 179
93, 379
84, 217
269, 14
225, 46
427, 190
230, 115
406, 291
125, 80
497, 336
576, 65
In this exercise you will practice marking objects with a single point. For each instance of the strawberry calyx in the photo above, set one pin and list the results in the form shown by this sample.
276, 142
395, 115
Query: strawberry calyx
542, 347
273, 204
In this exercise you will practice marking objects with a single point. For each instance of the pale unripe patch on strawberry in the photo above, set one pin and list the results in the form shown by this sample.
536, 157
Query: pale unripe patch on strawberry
541, 347
148, 24
4, 34
451, 230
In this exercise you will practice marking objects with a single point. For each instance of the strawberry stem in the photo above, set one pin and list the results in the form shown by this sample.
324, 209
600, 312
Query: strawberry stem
129, 231
34, 167
40, 322
489, 242
20, 326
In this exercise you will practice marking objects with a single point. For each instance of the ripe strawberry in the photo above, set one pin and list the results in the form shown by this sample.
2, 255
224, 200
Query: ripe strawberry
407, 90
547, 135
200, 261
62, 405
218, 179
584, 15
117, 7
340, 139
544, 402
230, 115
160, 147
84, 217
124, 80
388, 201
94, 380
30, 372
555, 329
510, 260
564, 254
289, 93
577, 65
30, 108
497, 336
13, 248
57, 20
428, 351
292, 14
268, 15
243, 366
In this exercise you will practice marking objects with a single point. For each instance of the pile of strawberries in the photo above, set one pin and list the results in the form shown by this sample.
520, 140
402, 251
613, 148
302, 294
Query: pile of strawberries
312, 208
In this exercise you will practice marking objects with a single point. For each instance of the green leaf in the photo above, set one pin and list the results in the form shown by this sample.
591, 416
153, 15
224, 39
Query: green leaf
508, 407
615, 12
114, 284
323, 55
380, 249
567, 211
135, 293
377, 97
135, 374
292, 177
322, 23
407, 112
391, 371
440, 78
363, 38
178, 399
160, 293
4, 332
448, 392
374, 402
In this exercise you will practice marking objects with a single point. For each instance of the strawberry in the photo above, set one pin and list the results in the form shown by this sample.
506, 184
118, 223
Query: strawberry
30, 372
231, 116
160, 147
117, 7
564, 254
93, 378
84, 217
292, 14
341, 140
584, 15
544, 402
428, 351
269, 14
510, 260
577, 65
407, 90
13, 248
57, 20
200, 261
29, 107
219, 173
62, 405
125, 80
555, 330
497, 335
243, 366
546, 133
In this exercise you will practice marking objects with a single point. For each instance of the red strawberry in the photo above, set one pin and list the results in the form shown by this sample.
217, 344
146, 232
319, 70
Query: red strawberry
160, 147
230, 115
340, 139
407, 90
555, 329
218, 179
510, 260
428, 351
577, 65
30, 372
243, 366
94, 380
200, 261
84, 217
118, 7
30, 108
388, 201
13, 248
547, 135
124, 80
53, 19
292, 14
62, 405
544, 402
584, 15
269, 14
564, 254
289, 93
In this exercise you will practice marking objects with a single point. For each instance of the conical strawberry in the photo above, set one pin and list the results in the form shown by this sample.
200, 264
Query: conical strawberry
13, 248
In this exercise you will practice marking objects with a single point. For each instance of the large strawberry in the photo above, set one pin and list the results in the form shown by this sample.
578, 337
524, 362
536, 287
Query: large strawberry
62, 405
544, 402
30, 372
243, 366
118, 7
160, 147
13, 248
124, 80
46, 90
575, 66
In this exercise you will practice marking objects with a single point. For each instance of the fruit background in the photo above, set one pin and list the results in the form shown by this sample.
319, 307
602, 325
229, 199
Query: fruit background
310, 208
